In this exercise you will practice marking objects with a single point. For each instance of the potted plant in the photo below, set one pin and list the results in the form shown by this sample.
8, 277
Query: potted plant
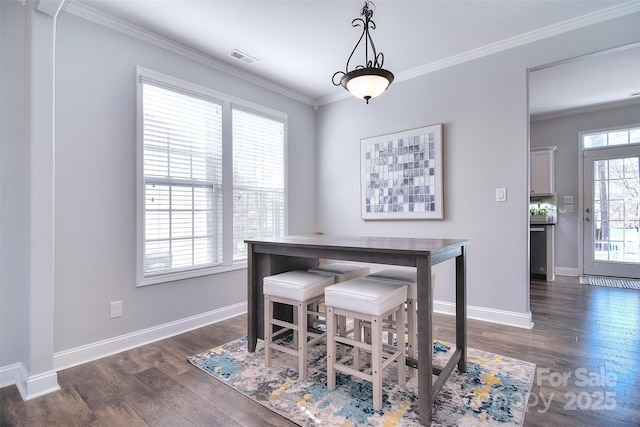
538, 214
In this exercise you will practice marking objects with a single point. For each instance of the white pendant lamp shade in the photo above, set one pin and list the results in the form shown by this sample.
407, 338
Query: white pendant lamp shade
367, 83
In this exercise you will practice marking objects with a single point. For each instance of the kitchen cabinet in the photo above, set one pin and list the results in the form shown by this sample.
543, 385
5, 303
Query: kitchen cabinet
542, 172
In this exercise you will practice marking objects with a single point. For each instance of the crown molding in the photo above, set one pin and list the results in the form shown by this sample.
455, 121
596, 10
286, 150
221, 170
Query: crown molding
93, 15
603, 15
526, 38
132, 30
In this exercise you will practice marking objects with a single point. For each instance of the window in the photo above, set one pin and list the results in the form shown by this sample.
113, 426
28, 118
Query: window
258, 179
185, 207
611, 138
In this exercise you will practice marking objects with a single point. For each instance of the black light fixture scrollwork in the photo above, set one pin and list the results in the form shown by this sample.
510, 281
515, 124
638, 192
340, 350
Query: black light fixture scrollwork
369, 80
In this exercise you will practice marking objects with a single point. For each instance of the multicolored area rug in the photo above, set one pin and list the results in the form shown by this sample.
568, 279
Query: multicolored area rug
493, 392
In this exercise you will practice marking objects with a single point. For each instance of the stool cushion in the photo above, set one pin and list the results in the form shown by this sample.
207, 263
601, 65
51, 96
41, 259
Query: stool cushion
297, 285
367, 296
409, 277
341, 271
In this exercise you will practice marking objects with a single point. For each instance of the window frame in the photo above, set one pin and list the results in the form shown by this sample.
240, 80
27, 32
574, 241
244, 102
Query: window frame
606, 131
228, 102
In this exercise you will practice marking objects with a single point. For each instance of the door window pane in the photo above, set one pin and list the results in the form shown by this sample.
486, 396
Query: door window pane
616, 207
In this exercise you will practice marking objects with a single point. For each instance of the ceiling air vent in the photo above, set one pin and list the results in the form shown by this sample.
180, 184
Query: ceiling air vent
242, 56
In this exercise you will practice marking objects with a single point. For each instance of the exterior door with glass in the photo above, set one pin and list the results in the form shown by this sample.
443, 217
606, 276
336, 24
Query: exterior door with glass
611, 184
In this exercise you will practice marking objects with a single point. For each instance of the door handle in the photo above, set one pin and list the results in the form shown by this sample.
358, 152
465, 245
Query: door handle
588, 210
588, 219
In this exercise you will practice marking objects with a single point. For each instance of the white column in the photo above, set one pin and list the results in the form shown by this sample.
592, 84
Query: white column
39, 125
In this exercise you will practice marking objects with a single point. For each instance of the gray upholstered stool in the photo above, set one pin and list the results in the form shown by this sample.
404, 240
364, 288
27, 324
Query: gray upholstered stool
408, 277
370, 301
304, 291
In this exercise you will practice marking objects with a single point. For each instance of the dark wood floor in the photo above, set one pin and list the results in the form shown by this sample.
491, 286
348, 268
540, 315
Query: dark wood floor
587, 335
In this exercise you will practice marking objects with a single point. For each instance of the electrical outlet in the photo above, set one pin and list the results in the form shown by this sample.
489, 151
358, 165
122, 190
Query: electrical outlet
116, 309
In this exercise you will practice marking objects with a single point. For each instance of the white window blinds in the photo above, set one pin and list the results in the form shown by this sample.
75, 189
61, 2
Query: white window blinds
182, 150
258, 178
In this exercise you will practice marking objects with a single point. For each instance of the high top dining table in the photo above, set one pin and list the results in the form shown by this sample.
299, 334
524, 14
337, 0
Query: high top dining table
279, 254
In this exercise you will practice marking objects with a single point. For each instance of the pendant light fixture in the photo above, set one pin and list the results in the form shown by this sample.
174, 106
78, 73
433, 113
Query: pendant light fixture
369, 80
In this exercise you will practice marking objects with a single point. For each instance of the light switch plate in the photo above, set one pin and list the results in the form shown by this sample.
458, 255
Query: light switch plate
501, 194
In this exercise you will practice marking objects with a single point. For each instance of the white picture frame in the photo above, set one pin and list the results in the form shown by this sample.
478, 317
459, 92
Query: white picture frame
401, 175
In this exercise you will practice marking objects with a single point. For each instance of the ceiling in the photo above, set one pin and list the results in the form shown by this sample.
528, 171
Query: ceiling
597, 80
300, 44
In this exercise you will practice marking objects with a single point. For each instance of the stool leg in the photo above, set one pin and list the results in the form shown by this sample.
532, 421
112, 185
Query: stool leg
357, 336
367, 339
402, 360
412, 319
313, 319
342, 331
268, 329
295, 320
302, 341
331, 348
393, 320
376, 361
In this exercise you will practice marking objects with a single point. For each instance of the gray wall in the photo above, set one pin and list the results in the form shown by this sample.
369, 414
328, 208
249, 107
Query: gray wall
95, 184
563, 132
483, 106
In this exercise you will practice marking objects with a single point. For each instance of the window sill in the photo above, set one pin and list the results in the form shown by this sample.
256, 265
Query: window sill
189, 274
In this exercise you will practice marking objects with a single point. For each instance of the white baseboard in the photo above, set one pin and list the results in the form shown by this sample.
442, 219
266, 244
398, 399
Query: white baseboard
567, 271
38, 385
11, 374
510, 318
87, 353
28, 386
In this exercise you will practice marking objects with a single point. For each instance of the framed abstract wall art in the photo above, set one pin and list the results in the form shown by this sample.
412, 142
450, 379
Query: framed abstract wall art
401, 175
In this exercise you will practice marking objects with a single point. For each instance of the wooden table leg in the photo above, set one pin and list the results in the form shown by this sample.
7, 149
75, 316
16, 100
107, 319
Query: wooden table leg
425, 341
461, 309
252, 291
